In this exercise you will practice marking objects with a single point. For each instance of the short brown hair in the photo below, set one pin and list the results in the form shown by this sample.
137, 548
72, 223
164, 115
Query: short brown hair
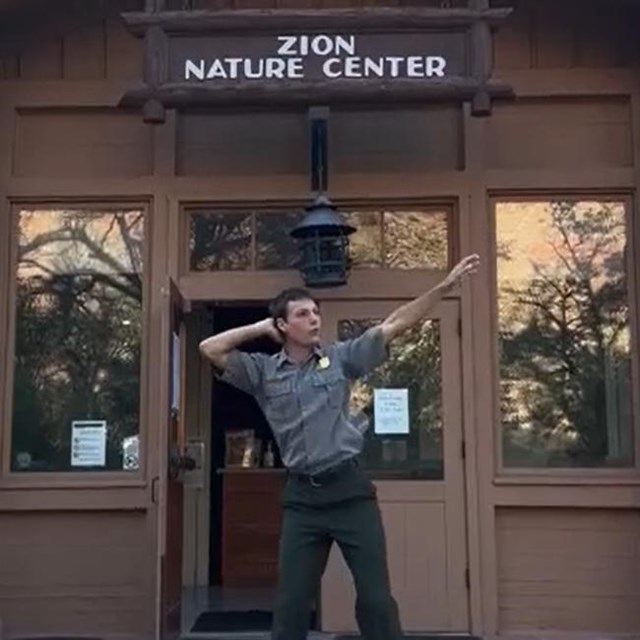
279, 306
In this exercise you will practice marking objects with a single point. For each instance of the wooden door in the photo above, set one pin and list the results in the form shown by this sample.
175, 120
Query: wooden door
168, 488
419, 476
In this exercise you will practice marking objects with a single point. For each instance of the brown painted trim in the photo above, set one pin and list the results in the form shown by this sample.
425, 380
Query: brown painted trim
374, 284
474, 132
565, 180
613, 497
112, 499
634, 279
361, 19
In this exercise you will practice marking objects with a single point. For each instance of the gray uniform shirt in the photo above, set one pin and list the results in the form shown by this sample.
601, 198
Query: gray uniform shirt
307, 405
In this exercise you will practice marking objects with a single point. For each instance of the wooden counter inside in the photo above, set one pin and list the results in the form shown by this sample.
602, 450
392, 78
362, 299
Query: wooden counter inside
251, 526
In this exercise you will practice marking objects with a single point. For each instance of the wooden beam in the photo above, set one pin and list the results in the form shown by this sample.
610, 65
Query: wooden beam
307, 93
268, 20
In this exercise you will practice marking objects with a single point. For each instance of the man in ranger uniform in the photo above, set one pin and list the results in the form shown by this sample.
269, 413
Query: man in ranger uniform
304, 392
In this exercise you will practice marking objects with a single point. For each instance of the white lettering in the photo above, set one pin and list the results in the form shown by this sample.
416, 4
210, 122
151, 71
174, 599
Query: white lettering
287, 47
345, 45
275, 68
415, 67
191, 68
322, 45
352, 67
303, 49
327, 68
216, 70
249, 72
436, 66
374, 67
394, 61
234, 65
295, 68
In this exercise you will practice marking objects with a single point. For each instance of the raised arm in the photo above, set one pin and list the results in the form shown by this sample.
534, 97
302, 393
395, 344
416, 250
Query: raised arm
218, 348
411, 314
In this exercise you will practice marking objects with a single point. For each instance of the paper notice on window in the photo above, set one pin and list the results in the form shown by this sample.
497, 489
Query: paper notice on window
88, 443
391, 411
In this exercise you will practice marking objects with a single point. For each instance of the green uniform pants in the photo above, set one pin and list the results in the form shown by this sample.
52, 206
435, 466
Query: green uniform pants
343, 509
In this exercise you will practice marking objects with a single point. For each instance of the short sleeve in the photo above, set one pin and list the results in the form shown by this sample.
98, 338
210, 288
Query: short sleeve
243, 371
359, 356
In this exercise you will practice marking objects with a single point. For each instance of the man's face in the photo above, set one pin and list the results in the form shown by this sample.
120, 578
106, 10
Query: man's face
302, 325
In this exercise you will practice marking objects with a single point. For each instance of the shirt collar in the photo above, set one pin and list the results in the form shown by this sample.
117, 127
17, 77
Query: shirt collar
282, 357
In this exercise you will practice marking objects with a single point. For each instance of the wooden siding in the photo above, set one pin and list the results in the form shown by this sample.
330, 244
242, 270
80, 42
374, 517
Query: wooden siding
560, 134
74, 572
568, 570
241, 144
81, 143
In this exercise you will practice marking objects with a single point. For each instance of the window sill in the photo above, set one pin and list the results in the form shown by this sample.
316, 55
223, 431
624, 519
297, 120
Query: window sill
574, 478
67, 481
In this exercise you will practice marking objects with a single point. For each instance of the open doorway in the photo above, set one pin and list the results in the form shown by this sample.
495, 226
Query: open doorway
245, 484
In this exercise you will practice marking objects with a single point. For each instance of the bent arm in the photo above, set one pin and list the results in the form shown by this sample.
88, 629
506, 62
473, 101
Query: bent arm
218, 348
412, 313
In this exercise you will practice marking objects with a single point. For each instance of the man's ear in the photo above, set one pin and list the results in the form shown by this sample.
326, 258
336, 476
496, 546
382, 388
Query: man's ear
280, 324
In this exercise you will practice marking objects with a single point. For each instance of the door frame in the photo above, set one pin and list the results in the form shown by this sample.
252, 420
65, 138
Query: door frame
166, 486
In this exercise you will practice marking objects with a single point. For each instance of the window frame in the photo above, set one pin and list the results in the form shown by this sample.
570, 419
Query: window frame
253, 207
70, 479
505, 475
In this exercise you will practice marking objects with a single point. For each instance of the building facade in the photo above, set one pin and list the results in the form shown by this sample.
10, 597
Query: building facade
139, 213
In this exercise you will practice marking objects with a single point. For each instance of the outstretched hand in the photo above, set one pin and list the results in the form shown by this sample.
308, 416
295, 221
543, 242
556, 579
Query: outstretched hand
464, 269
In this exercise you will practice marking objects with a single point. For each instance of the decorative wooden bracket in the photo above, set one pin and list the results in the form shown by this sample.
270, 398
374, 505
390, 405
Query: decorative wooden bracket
306, 57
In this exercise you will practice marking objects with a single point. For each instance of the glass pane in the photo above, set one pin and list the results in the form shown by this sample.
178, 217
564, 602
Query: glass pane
416, 239
78, 340
275, 248
564, 334
366, 242
414, 364
219, 241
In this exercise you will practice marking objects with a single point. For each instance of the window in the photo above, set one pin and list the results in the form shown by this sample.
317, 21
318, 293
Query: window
564, 333
414, 364
78, 330
405, 238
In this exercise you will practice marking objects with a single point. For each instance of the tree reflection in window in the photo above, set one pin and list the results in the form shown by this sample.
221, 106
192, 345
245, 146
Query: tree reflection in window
219, 241
564, 334
414, 363
78, 332
411, 238
275, 249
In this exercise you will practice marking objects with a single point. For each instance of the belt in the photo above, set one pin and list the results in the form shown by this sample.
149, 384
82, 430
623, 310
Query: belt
327, 476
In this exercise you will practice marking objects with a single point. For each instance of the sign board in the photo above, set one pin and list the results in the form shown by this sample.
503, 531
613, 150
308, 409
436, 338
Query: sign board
88, 443
317, 58
391, 411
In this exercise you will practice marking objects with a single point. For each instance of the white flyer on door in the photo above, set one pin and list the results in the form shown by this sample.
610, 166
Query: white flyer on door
88, 443
391, 411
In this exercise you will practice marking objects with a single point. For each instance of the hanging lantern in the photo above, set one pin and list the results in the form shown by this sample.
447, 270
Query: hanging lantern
322, 237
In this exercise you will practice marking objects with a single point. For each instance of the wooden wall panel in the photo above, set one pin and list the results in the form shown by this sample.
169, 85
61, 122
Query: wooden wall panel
240, 144
568, 570
76, 573
75, 143
547, 34
84, 53
396, 141
417, 566
42, 61
124, 53
555, 134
